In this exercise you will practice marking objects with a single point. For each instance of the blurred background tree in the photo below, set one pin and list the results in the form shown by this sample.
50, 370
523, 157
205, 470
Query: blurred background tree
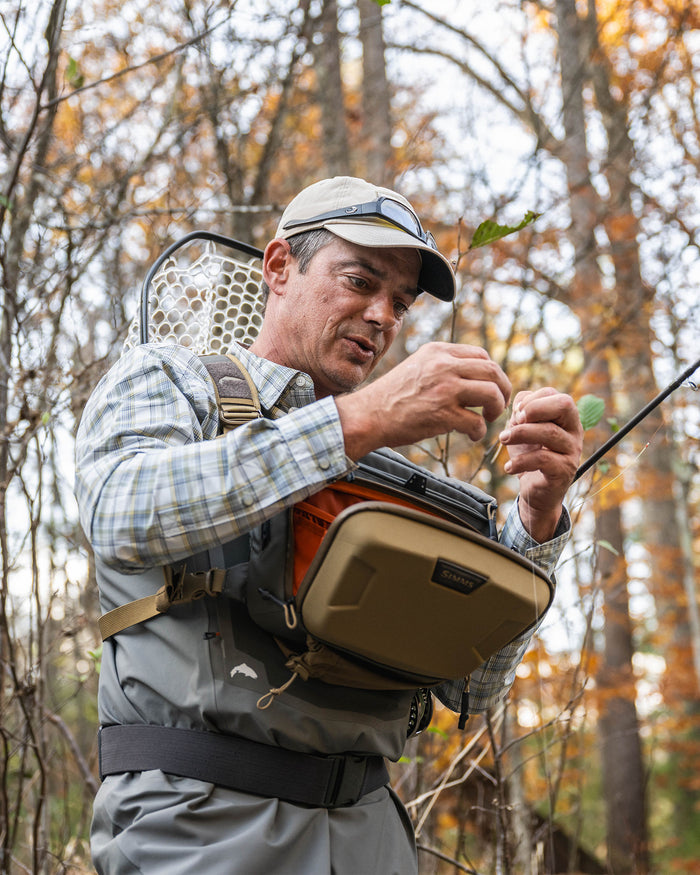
124, 125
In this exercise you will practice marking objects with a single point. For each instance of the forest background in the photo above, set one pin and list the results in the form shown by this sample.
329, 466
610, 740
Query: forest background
125, 124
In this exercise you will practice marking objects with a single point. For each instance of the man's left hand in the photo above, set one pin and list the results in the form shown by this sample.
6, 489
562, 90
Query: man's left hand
544, 439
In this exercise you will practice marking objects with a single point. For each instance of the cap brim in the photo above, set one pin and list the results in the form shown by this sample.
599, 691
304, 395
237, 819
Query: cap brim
436, 276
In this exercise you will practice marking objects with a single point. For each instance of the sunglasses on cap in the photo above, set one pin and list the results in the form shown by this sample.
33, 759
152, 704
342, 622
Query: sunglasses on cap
385, 208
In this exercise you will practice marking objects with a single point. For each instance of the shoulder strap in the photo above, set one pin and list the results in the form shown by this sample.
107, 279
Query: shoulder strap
180, 587
238, 402
236, 393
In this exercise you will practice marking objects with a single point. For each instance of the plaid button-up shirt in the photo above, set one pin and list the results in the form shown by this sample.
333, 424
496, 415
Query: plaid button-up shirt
153, 486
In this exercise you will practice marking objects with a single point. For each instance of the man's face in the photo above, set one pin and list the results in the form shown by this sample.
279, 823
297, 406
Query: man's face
337, 320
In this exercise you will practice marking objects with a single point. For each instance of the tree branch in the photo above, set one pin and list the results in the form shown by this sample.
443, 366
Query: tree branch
80, 760
526, 112
155, 61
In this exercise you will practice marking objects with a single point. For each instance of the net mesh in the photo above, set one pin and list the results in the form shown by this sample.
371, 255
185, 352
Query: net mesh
204, 296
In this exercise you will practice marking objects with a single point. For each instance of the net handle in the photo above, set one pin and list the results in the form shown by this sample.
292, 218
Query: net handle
155, 267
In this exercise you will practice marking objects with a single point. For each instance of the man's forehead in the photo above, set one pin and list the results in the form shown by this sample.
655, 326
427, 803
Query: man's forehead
378, 259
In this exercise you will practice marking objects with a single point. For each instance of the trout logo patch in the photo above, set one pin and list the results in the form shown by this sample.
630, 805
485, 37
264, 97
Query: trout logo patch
244, 669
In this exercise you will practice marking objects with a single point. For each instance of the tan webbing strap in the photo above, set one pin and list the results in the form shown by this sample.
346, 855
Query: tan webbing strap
236, 393
127, 615
238, 403
178, 589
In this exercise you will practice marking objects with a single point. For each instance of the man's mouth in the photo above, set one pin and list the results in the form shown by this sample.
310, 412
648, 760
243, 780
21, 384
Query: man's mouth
364, 348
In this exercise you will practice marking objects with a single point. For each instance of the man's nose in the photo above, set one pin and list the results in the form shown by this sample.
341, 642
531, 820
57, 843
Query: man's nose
380, 311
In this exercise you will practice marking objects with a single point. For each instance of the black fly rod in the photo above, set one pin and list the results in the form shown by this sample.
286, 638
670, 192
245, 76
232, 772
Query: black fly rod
644, 412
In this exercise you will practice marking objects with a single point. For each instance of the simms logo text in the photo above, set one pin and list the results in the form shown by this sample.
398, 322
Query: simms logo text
457, 577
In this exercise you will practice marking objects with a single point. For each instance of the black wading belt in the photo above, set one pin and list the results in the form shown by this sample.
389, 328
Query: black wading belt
240, 764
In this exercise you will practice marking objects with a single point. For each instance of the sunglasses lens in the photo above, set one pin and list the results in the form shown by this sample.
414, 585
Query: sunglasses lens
403, 217
406, 219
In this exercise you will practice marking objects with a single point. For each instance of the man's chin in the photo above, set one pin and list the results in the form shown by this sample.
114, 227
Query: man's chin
346, 380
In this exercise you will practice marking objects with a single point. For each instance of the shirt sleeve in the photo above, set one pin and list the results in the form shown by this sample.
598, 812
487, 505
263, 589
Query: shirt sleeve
151, 485
490, 682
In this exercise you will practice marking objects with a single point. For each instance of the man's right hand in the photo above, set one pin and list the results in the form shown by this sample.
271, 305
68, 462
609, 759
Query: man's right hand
427, 394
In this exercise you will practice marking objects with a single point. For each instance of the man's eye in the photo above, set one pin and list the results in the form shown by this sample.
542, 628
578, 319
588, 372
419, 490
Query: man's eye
358, 281
400, 308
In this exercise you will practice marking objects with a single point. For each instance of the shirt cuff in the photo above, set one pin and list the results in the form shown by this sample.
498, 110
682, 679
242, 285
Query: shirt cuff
546, 555
314, 439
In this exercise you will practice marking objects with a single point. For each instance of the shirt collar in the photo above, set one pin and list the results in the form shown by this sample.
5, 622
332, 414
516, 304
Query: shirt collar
280, 388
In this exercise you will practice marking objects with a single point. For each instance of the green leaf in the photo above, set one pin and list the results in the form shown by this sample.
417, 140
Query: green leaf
382, 2
96, 656
73, 75
489, 232
437, 731
590, 409
606, 545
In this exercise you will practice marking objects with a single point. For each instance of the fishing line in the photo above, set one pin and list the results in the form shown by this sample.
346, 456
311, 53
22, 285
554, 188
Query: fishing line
616, 477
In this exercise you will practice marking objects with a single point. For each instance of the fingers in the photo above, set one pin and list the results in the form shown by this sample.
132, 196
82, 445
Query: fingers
556, 469
486, 384
429, 393
544, 433
468, 378
546, 405
469, 423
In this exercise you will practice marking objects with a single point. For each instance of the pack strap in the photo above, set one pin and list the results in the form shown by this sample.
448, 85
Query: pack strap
236, 393
238, 403
180, 587
241, 764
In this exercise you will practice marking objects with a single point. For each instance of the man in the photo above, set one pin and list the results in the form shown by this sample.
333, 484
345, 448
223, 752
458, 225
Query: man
348, 260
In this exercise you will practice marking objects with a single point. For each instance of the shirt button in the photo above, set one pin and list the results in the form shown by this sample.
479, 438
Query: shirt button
324, 464
247, 499
302, 382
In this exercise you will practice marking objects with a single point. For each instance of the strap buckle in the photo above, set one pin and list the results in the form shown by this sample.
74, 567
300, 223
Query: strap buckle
347, 779
188, 586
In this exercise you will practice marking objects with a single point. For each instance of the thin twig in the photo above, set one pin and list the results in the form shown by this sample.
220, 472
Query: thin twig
446, 859
156, 60
80, 761
445, 783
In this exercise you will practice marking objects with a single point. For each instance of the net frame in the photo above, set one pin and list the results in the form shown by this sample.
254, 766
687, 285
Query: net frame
203, 292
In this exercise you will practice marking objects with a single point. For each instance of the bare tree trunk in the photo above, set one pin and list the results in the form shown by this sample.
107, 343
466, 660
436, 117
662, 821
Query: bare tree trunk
327, 53
622, 759
276, 133
376, 99
659, 519
623, 771
521, 838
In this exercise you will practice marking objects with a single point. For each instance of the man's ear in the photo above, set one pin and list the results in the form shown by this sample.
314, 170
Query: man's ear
277, 261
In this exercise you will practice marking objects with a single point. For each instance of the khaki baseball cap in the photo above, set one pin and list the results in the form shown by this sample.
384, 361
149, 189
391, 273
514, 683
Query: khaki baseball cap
369, 215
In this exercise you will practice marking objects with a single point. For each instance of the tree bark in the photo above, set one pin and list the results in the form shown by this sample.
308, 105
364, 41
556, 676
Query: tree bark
376, 97
655, 467
624, 777
623, 771
327, 54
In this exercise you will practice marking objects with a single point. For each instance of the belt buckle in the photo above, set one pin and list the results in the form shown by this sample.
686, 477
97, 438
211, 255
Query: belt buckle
346, 780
